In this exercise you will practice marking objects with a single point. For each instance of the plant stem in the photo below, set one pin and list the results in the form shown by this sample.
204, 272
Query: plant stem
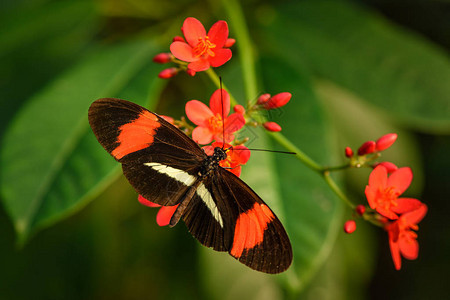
335, 188
244, 45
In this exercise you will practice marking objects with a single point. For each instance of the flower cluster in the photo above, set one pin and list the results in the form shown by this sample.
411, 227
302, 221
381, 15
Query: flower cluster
198, 50
397, 215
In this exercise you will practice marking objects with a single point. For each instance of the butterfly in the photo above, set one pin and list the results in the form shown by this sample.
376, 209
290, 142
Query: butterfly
167, 167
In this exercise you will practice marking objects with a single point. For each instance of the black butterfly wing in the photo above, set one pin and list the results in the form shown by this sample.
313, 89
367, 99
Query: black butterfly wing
158, 159
250, 231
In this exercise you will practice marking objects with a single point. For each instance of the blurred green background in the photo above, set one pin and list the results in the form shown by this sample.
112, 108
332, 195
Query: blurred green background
70, 224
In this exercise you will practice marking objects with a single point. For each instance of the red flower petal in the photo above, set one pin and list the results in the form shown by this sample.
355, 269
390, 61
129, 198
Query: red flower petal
221, 57
164, 215
234, 122
236, 170
241, 154
193, 30
415, 216
406, 205
209, 150
220, 98
198, 112
400, 179
218, 34
182, 51
146, 202
229, 43
202, 135
395, 252
378, 177
199, 65
409, 247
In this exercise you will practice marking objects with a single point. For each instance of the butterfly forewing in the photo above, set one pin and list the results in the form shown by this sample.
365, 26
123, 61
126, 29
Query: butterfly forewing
166, 167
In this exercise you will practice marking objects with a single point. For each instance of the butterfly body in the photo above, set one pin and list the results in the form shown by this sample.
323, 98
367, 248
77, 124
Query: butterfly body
167, 167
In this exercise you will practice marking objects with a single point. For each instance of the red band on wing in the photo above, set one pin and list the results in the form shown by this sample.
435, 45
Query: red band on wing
250, 227
136, 135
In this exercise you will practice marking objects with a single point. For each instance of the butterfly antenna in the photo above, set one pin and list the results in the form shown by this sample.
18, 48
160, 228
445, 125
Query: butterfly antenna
266, 150
223, 119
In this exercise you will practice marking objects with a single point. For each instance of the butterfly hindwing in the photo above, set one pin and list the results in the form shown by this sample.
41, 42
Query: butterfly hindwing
259, 239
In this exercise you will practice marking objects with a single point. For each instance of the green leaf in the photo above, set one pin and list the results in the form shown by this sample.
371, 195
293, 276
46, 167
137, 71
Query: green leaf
312, 213
55, 20
399, 72
52, 164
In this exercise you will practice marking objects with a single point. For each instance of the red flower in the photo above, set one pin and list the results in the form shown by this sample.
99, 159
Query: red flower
382, 192
236, 156
209, 119
402, 238
202, 50
165, 213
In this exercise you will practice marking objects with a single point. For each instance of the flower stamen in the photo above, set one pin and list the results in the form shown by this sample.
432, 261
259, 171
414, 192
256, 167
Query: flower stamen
203, 47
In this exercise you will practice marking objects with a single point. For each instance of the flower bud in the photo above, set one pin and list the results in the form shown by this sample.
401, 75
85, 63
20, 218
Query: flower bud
263, 98
178, 39
278, 100
239, 109
190, 72
162, 58
348, 152
229, 43
168, 73
360, 209
272, 126
385, 141
390, 167
350, 226
367, 148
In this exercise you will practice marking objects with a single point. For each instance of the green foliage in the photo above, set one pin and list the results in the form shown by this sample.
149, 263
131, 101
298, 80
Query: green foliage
354, 76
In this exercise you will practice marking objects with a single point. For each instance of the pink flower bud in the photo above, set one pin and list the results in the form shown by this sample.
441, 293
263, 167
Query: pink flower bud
272, 126
278, 100
360, 209
229, 43
350, 226
190, 72
239, 109
348, 152
178, 39
386, 141
367, 148
263, 98
168, 73
390, 167
162, 58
